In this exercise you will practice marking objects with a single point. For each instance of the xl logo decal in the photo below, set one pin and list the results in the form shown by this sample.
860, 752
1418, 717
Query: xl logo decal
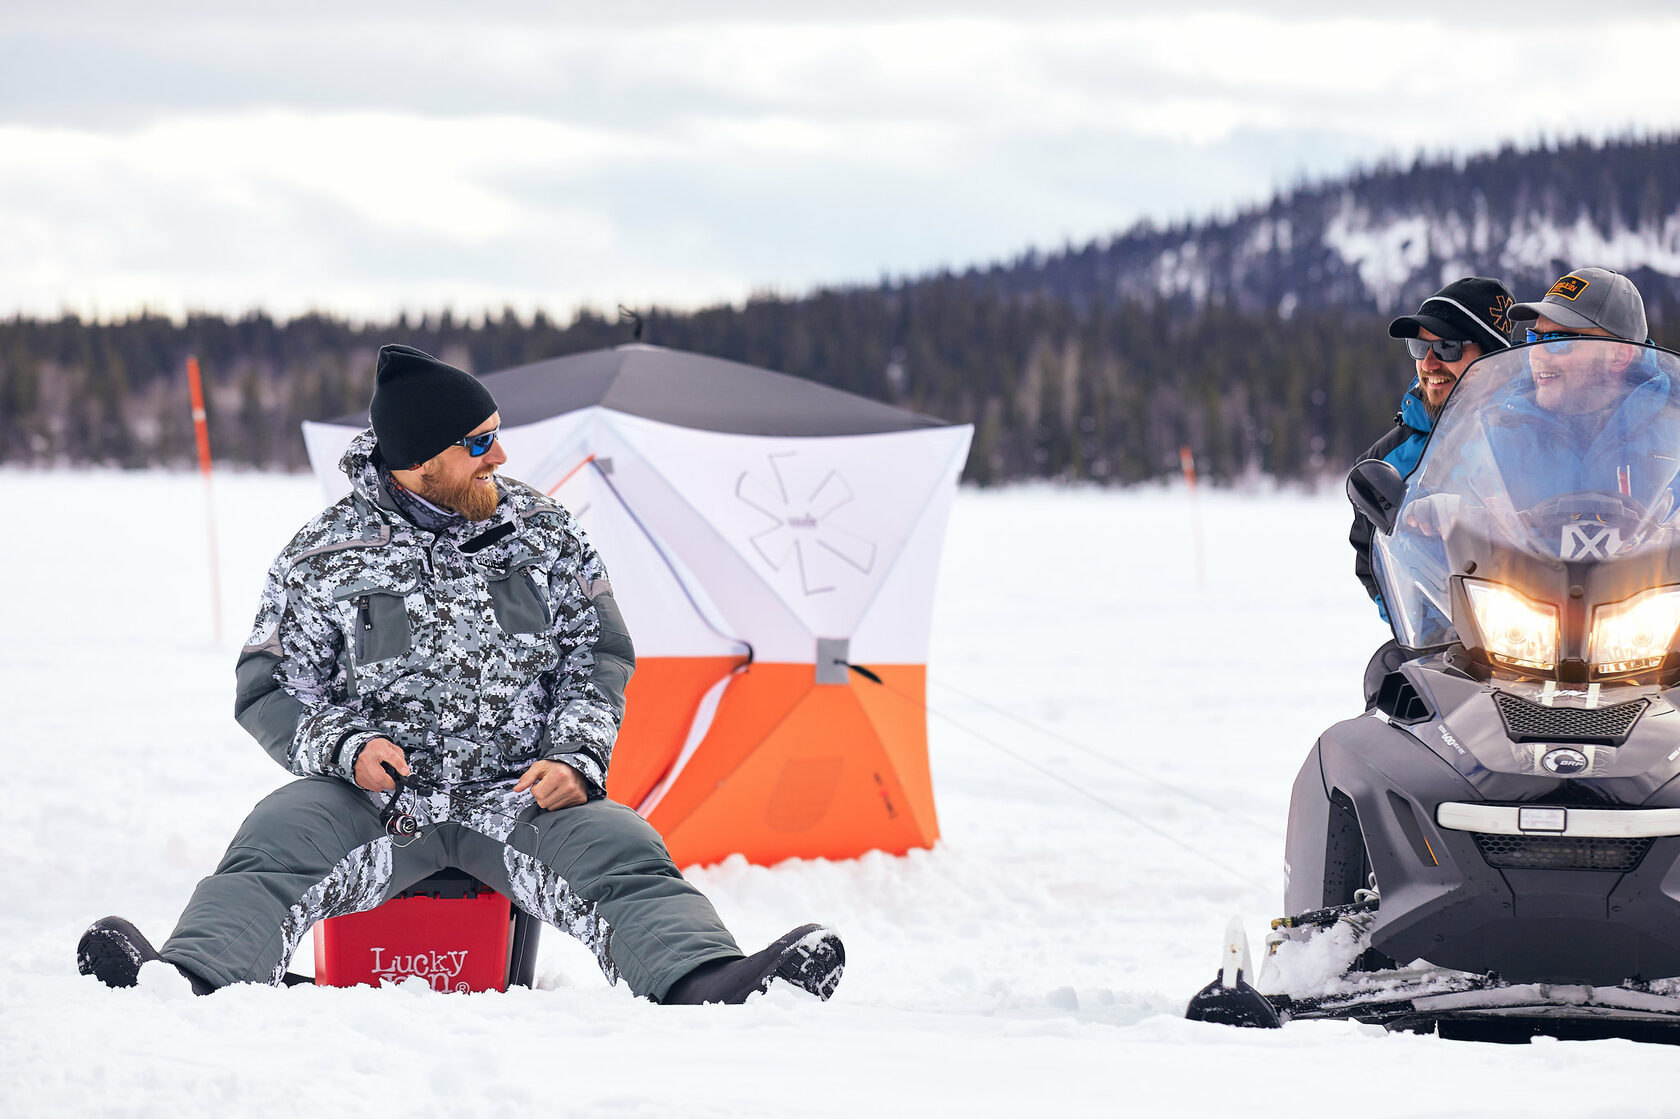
803, 531
437, 968
1582, 541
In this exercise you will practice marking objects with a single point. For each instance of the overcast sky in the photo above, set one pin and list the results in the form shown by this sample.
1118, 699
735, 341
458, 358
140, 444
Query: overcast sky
366, 158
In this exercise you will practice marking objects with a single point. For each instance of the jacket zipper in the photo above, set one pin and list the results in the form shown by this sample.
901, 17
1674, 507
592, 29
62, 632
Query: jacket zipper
364, 624
542, 599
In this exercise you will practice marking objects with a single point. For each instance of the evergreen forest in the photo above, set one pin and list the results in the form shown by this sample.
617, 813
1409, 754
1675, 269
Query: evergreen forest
1068, 365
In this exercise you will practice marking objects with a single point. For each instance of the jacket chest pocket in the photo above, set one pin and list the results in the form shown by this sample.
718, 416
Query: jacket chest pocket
520, 599
377, 618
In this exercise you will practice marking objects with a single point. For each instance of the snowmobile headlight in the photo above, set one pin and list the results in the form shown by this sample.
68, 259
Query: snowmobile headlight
1634, 635
1515, 629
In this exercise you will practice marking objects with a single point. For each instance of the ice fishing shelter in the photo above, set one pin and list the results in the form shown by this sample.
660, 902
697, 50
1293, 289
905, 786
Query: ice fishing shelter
762, 533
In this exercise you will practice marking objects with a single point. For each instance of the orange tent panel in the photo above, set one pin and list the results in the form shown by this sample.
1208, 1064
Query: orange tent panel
659, 708
898, 713
826, 779
755, 700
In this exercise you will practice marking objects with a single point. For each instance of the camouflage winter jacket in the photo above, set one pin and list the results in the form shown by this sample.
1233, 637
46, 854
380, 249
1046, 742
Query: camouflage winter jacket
478, 650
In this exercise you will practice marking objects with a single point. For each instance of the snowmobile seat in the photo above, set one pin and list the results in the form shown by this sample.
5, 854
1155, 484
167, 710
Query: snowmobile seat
450, 929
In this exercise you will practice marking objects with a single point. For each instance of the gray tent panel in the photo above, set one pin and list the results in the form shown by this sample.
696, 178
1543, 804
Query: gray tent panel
690, 390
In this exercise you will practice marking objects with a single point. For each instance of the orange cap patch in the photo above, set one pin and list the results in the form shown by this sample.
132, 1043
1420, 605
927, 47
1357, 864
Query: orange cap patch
1569, 287
1500, 313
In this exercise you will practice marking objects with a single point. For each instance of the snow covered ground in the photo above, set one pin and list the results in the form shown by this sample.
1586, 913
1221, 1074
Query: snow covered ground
1113, 745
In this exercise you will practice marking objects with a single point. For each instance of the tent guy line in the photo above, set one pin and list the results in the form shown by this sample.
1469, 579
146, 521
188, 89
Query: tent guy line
1223, 810
1082, 791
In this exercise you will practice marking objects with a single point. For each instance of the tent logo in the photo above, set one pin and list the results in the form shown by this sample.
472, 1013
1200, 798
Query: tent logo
803, 532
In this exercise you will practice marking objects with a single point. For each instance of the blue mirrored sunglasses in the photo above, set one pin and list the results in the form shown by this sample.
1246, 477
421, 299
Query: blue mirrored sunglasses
479, 445
1557, 340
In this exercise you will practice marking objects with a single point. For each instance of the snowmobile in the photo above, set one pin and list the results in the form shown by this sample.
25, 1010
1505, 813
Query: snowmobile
1492, 850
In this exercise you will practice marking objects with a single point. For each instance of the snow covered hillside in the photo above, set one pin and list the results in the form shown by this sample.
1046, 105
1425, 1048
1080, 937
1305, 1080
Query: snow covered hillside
1113, 745
1384, 237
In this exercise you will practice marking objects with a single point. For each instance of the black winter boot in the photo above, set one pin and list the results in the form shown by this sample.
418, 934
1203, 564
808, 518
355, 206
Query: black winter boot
113, 951
810, 957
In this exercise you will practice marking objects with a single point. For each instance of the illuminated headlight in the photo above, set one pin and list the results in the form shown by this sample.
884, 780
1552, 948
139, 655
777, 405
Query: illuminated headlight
1635, 635
1515, 630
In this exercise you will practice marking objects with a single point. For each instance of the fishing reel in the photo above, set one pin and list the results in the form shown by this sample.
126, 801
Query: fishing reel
398, 822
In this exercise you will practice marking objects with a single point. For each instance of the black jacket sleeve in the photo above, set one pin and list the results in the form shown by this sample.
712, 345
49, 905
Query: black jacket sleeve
1361, 536
1363, 533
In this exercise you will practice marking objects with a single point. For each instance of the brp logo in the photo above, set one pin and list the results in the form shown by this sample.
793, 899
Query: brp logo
1565, 762
1583, 541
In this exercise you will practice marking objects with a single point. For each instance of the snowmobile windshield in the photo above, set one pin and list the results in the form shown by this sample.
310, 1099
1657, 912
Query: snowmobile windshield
1548, 460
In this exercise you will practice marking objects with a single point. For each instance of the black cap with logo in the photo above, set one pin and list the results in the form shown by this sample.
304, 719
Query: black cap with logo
1474, 309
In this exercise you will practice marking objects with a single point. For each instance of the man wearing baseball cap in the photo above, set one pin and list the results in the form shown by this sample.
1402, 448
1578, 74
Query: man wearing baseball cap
1452, 328
444, 642
1588, 302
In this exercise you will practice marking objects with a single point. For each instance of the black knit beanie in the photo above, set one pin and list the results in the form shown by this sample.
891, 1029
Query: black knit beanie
421, 406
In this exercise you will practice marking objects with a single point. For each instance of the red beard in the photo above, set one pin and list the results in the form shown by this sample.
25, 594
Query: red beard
468, 497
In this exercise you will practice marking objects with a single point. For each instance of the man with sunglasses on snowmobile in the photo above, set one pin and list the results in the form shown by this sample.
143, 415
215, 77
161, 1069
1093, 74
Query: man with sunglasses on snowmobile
1452, 328
449, 636
1586, 303
1590, 385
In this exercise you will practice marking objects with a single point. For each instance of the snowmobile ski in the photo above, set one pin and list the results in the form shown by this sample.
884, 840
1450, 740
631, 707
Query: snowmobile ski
1230, 1000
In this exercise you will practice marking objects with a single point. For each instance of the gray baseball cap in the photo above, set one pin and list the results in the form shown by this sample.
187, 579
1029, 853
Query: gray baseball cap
1589, 297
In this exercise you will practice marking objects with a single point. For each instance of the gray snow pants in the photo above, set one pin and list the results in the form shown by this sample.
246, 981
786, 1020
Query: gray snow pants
316, 848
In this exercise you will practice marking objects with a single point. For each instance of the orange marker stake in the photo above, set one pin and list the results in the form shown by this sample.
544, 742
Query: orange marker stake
201, 429
1187, 463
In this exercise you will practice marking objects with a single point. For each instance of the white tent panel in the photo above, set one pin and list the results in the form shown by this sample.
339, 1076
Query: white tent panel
325, 444
541, 454
821, 520
665, 606
710, 568
896, 627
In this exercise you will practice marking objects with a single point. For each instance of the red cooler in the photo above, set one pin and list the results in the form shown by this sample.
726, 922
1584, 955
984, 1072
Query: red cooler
450, 930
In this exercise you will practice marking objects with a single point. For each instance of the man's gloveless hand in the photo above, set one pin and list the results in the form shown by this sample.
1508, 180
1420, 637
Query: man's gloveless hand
1432, 515
554, 785
370, 774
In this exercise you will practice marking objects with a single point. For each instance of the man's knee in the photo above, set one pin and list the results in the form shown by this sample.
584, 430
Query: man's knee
600, 836
302, 822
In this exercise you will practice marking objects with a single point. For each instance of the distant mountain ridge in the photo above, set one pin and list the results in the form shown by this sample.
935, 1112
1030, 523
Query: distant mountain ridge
1382, 239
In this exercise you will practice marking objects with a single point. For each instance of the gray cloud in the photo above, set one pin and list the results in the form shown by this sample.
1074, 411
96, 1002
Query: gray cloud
418, 155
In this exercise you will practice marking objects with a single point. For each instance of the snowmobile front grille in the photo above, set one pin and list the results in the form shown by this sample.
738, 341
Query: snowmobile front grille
1559, 852
1603, 726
